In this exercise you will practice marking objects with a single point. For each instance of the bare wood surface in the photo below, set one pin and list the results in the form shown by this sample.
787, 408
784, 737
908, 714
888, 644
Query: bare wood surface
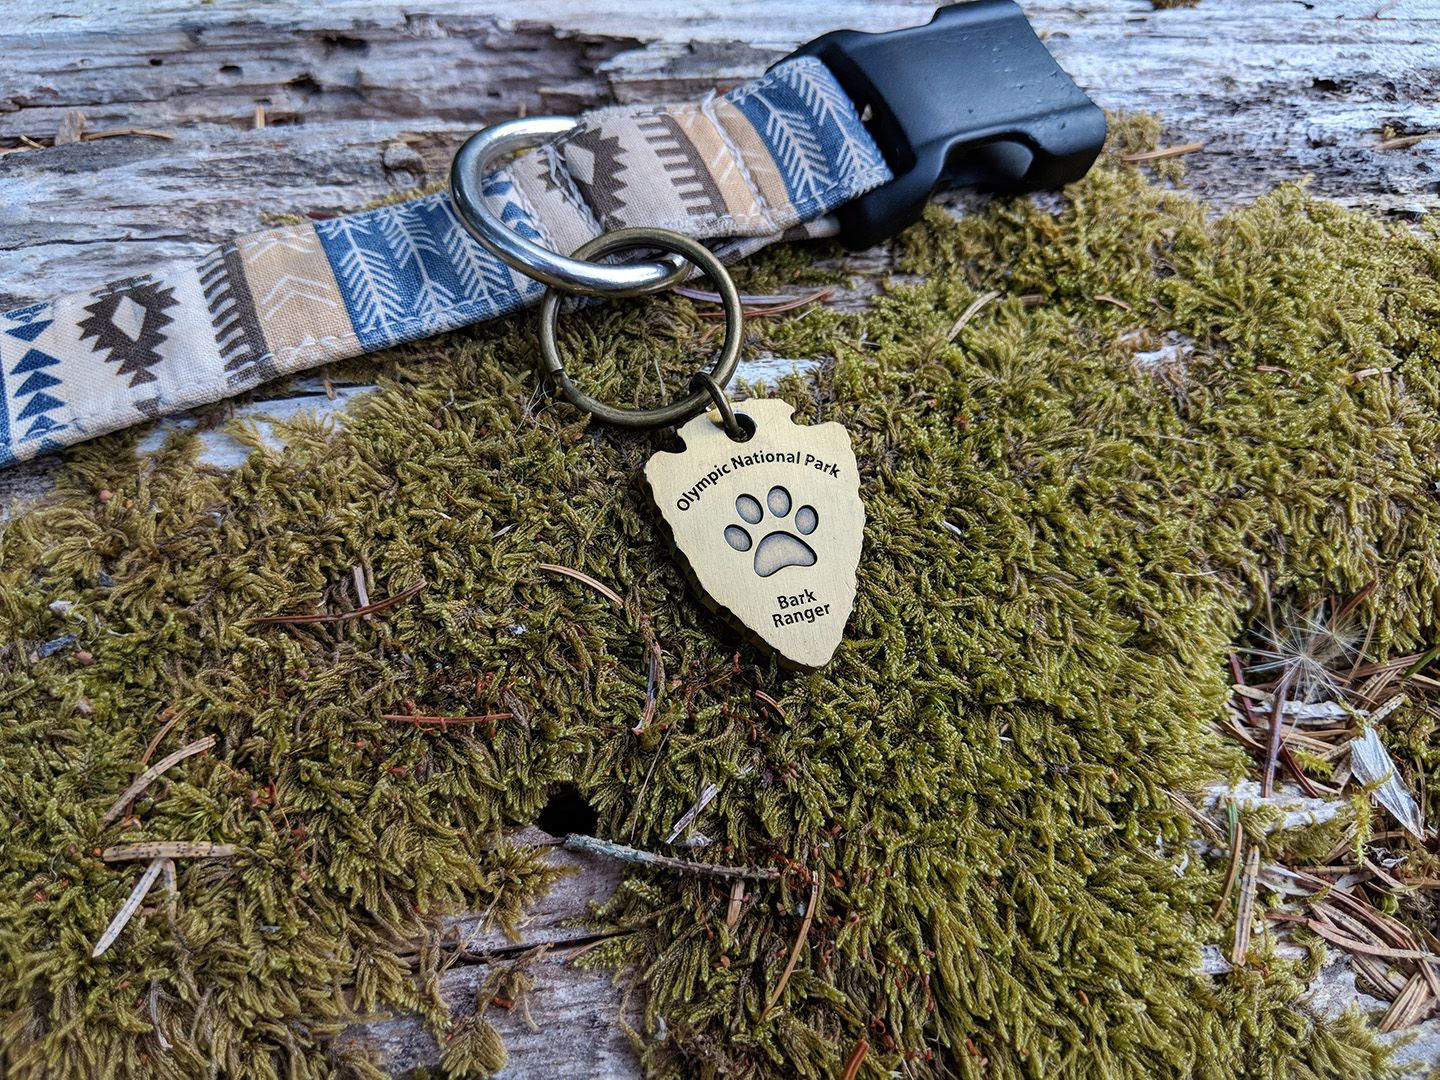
575, 1035
365, 99
361, 99
566, 1027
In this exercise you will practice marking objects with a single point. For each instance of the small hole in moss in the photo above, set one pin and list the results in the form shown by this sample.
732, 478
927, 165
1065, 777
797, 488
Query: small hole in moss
568, 812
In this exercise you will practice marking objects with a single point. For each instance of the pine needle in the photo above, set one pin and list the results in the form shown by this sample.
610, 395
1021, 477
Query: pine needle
737, 903
1409, 1006
970, 312
167, 878
855, 1060
159, 737
761, 695
1237, 849
168, 849
1404, 142
421, 721
1277, 731
1352, 944
1245, 912
711, 790
585, 579
357, 573
112, 133
655, 676
128, 909
160, 1038
795, 949
149, 776
1163, 152
358, 613
789, 304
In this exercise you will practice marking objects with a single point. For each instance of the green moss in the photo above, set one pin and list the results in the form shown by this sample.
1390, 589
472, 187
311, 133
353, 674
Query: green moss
1074, 508
475, 1049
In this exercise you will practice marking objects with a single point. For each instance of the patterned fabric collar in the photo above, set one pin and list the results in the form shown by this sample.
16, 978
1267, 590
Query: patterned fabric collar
765, 162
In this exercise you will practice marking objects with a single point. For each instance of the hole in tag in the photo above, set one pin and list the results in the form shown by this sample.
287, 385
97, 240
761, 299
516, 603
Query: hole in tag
747, 425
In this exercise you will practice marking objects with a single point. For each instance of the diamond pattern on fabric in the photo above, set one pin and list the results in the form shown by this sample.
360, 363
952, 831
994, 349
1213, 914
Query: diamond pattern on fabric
764, 162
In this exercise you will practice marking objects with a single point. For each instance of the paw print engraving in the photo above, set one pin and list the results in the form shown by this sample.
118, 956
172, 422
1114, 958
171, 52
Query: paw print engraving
778, 548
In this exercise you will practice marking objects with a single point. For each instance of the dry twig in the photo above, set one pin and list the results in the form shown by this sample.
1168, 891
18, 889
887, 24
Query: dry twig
596, 846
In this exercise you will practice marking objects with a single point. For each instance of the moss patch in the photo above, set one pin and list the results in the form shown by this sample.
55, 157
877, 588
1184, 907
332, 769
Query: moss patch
1074, 507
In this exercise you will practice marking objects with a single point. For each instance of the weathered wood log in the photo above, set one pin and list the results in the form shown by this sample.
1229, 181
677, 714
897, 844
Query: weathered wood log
361, 99
364, 99
575, 1012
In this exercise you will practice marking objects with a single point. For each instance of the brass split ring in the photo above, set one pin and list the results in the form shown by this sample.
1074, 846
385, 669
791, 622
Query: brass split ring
707, 386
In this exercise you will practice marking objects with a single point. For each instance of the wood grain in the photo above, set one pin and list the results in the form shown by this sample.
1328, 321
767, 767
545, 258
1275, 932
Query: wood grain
576, 1013
366, 99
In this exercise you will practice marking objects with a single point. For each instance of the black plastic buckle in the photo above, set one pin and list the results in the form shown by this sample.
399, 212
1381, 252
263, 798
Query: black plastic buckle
971, 99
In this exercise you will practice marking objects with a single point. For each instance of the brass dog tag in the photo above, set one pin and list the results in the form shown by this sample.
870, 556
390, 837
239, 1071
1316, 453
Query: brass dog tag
769, 528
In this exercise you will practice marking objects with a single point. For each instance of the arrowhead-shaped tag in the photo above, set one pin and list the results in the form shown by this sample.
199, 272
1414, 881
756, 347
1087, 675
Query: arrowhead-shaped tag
770, 528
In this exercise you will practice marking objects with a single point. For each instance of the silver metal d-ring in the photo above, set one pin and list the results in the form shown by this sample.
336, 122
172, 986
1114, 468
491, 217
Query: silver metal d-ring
474, 161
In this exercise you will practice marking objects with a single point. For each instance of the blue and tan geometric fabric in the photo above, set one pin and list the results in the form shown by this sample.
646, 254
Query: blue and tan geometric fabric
764, 162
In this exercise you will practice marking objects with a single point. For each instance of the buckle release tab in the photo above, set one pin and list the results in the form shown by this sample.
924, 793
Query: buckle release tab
970, 99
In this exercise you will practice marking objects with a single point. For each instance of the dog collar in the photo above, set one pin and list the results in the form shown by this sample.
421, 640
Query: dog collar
846, 137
